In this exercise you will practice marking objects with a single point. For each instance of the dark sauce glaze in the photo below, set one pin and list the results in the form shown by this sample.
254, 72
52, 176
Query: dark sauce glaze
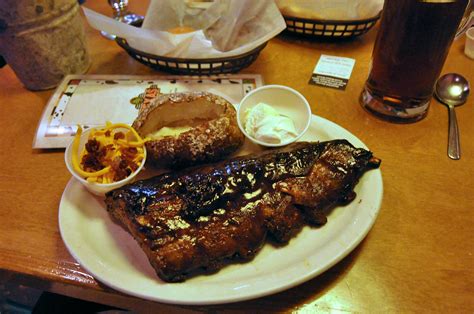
201, 217
207, 188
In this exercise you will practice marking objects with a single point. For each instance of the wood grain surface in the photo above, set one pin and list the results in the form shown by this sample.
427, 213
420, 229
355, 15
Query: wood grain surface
418, 257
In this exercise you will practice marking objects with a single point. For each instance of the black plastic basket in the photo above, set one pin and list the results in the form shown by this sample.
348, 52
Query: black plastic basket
329, 28
193, 66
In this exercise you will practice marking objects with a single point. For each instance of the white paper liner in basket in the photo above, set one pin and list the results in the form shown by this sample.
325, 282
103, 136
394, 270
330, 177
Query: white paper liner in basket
228, 28
334, 10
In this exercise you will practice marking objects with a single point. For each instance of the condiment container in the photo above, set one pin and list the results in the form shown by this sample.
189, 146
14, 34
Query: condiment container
43, 41
287, 101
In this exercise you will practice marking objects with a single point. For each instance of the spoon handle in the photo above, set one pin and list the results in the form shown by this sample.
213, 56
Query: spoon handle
454, 150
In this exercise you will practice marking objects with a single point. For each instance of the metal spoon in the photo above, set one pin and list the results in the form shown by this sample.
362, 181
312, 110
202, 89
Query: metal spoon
452, 89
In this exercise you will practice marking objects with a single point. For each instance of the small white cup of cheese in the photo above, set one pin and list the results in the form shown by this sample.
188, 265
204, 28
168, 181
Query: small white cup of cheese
99, 189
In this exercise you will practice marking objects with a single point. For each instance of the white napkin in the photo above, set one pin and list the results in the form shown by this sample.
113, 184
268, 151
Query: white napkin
340, 10
224, 28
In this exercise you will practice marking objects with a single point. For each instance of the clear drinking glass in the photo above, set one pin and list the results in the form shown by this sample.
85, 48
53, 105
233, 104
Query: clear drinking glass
410, 49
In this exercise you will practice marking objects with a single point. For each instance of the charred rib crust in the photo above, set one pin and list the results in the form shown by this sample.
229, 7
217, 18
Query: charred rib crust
202, 217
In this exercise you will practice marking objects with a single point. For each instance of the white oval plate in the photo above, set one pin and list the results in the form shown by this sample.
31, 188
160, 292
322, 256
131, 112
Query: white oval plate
113, 257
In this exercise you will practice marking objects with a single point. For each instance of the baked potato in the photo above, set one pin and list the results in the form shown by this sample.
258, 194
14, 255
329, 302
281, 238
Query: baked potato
186, 129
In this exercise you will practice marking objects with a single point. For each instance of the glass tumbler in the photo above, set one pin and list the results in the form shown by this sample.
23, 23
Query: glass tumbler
409, 52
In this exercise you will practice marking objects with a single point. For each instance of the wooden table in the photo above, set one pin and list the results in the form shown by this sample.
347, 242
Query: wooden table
418, 257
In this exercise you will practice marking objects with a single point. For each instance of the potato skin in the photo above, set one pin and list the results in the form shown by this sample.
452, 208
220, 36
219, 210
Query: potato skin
209, 141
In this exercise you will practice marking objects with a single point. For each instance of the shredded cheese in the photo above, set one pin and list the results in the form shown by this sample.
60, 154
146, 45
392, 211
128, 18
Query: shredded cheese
115, 146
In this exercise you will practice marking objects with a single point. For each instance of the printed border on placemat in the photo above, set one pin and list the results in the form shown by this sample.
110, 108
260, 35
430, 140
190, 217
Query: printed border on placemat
91, 100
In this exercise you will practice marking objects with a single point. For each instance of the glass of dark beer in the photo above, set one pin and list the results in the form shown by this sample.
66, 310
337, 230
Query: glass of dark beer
411, 47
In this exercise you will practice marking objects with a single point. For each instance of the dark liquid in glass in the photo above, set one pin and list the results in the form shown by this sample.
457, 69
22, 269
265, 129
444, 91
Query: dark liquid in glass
409, 53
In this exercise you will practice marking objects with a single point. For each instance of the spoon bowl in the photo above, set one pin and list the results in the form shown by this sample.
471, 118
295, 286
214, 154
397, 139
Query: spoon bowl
452, 89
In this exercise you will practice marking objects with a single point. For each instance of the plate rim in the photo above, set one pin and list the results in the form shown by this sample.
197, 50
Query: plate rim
249, 295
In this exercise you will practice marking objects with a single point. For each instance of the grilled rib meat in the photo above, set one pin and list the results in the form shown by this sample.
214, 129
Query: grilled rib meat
204, 216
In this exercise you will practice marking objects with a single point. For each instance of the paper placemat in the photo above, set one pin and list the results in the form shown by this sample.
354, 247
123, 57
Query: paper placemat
91, 100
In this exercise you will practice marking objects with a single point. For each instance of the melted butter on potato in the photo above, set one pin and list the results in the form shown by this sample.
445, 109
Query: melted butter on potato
169, 131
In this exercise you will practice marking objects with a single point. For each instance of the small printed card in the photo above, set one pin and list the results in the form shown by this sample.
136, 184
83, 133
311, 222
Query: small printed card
332, 71
91, 100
